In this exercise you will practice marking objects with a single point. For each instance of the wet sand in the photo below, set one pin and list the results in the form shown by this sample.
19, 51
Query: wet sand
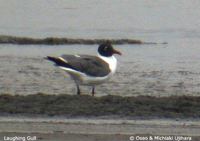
46, 129
89, 137
68, 137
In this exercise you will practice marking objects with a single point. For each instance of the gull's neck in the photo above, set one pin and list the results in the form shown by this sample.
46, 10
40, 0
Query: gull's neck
111, 60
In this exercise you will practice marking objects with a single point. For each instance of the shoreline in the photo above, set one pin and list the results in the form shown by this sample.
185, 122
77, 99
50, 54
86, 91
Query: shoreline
44, 127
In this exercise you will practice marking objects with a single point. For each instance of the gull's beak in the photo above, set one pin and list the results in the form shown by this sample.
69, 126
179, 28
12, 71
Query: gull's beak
116, 52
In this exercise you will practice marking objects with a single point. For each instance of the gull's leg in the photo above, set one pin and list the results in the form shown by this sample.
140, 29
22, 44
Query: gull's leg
78, 89
93, 90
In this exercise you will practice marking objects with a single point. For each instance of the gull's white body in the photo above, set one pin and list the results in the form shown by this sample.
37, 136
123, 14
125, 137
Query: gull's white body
83, 79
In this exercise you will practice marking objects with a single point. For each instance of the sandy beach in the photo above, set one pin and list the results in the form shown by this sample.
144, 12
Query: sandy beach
49, 129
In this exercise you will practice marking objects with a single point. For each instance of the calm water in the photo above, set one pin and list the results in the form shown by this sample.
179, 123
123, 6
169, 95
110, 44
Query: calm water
170, 69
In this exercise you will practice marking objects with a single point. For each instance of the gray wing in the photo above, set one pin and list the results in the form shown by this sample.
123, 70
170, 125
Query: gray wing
90, 65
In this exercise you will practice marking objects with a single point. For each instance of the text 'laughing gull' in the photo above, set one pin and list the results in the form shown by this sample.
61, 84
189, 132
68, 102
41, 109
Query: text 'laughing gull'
89, 70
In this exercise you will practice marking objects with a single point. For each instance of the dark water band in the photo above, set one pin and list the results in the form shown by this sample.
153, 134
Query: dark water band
4, 39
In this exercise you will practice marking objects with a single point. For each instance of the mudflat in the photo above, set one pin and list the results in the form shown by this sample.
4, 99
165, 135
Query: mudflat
142, 107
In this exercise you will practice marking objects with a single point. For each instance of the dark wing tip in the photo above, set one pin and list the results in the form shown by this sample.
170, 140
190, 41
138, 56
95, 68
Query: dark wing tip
47, 57
53, 59
58, 61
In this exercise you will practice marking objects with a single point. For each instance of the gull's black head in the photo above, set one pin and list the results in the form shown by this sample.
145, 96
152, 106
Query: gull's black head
106, 49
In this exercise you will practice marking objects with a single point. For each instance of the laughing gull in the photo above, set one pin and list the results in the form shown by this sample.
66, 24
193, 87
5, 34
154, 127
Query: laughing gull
89, 70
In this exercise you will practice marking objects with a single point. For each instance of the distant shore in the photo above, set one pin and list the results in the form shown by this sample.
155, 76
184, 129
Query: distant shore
145, 107
4, 39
